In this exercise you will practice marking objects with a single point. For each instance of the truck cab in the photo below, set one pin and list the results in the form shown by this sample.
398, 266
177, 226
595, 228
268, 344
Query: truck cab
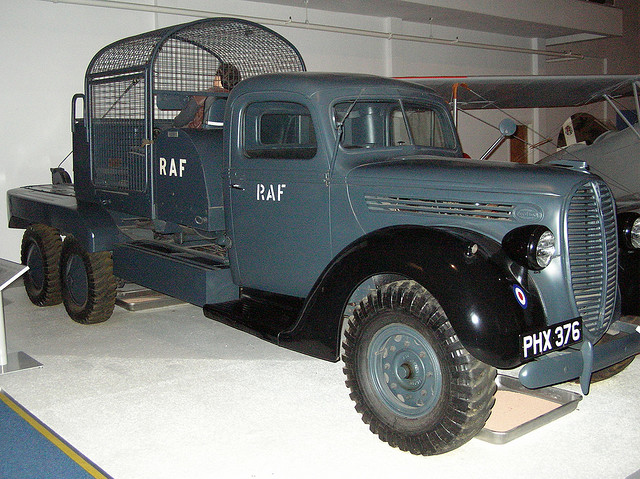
332, 214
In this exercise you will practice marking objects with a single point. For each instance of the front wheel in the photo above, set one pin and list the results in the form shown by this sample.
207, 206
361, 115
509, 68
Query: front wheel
411, 379
88, 284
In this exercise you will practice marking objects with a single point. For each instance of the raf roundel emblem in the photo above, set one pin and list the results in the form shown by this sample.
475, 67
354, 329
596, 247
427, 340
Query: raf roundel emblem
520, 296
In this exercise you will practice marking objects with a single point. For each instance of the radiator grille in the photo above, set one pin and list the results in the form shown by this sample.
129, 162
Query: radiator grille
440, 207
591, 229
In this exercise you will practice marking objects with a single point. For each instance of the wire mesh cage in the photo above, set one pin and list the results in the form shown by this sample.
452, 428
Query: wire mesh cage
118, 132
125, 78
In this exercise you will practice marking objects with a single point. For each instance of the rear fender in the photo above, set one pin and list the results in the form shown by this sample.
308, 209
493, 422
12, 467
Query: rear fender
89, 223
473, 284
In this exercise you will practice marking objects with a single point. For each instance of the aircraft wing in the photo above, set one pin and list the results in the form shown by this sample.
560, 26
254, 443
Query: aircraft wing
529, 91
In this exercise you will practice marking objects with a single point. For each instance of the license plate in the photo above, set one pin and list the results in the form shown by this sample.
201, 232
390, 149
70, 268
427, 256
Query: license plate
550, 339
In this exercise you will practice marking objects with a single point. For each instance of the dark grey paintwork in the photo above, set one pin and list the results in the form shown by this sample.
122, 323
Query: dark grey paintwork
326, 211
323, 218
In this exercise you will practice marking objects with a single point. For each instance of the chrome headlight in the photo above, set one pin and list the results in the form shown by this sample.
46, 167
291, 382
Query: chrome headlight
531, 246
545, 245
629, 230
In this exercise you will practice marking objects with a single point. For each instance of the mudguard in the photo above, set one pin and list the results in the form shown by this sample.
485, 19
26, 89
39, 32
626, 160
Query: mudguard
56, 206
477, 289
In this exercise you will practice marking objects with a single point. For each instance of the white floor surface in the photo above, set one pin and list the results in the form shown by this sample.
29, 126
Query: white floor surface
168, 393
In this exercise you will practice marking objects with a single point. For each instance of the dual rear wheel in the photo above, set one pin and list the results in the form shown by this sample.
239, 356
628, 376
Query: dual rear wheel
63, 271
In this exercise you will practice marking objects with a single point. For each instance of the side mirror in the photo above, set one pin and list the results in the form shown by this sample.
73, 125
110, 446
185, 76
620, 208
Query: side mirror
507, 128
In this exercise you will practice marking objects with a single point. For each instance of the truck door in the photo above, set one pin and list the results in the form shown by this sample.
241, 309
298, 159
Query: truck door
278, 197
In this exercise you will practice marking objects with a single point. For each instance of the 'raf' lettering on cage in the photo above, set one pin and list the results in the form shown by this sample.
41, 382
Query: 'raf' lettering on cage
269, 192
175, 168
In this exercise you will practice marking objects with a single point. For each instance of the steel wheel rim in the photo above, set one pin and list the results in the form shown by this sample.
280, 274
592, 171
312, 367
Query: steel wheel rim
405, 370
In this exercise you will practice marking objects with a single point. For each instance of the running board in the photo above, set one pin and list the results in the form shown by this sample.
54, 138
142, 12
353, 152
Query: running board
191, 277
262, 314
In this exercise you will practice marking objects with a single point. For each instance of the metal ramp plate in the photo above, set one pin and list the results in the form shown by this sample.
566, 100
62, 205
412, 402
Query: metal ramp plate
137, 298
519, 410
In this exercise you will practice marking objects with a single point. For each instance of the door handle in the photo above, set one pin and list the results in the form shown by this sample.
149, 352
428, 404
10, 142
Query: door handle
236, 186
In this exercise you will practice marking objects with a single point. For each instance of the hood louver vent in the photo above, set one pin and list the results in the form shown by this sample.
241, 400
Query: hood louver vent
440, 207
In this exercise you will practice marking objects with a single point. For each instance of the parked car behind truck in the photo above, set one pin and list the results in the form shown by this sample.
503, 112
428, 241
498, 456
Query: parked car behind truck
305, 193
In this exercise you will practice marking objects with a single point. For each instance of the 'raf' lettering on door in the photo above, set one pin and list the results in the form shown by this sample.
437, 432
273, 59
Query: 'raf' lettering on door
172, 167
269, 192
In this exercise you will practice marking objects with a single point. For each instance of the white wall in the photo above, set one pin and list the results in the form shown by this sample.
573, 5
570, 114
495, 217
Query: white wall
46, 47
45, 50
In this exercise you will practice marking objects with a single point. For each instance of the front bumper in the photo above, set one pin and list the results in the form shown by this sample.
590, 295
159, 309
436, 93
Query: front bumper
581, 362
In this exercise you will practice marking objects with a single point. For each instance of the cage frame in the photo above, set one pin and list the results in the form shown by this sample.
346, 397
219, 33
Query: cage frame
252, 48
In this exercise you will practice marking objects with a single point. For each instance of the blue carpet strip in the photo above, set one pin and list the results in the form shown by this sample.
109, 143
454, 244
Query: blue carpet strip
29, 449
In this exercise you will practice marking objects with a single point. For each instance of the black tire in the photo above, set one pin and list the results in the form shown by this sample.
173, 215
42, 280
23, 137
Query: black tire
411, 379
88, 283
40, 250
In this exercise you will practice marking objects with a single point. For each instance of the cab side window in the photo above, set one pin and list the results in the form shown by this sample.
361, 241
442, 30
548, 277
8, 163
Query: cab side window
281, 130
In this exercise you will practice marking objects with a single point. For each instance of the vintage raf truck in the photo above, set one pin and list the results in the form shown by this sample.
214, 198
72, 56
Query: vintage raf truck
332, 214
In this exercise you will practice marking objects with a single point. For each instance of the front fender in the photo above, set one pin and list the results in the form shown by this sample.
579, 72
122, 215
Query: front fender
475, 289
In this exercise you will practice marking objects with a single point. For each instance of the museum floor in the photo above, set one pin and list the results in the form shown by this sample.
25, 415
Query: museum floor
168, 393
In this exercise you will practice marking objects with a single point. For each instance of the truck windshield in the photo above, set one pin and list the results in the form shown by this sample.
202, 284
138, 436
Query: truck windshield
376, 124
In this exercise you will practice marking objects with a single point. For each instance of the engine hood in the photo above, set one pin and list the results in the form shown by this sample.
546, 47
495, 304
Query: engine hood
487, 197
468, 176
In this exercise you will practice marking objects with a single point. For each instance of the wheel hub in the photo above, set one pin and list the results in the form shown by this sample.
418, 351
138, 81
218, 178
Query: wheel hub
405, 370
409, 370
